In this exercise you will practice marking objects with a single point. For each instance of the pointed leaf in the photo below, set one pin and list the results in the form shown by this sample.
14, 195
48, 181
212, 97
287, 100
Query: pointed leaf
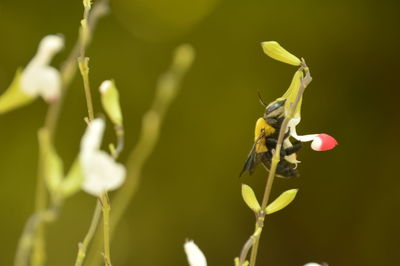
14, 96
276, 51
250, 198
282, 201
72, 183
52, 164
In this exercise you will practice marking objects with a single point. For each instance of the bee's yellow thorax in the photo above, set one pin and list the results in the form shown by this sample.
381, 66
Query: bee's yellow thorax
262, 128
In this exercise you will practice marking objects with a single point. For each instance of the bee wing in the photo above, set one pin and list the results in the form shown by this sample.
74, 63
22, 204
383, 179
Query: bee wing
251, 161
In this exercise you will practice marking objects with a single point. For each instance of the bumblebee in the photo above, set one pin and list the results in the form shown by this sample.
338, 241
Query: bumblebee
265, 140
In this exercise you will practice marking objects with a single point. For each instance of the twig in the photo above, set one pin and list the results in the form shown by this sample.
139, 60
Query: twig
83, 246
105, 202
68, 69
275, 160
167, 89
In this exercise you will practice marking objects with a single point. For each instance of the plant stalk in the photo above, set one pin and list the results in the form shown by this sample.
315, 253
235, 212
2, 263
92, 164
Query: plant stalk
260, 216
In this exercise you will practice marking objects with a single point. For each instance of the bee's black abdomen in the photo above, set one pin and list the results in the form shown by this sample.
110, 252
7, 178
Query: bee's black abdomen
284, 168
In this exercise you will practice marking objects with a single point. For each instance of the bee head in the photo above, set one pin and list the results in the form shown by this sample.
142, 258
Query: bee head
274, 113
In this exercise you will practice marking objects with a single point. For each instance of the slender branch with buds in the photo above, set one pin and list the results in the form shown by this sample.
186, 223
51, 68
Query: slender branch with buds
254, 239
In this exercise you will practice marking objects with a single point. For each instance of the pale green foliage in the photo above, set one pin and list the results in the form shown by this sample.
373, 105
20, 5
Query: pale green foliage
282, 201
14, 97
237, 262
73, 181
52, 164
274, 50
250, 198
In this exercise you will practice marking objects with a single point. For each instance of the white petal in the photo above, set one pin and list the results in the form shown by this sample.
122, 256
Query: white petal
105, 85
194, 255
93, 136
101, 173
48, 47
312, 264
42, 80
316, 144
292, 127
38, 78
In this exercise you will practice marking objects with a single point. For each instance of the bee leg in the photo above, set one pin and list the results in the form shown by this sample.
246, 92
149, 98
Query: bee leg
285, 170
295, 148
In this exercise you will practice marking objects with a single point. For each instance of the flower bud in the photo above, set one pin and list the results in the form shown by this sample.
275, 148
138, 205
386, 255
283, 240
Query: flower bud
250, 198
194, 255
87, 3
183, 57
276, 51
323, 142
110, 101
282, 201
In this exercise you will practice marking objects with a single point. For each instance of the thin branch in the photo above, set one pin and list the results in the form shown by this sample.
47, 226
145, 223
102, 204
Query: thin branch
83, 246
167, 88
67, 70
272, 171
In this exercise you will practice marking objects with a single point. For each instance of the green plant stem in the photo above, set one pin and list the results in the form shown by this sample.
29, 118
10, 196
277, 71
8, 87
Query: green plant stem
84, 68
260, 216
67, 71
29, 235
83, 246
106, 228
167, 89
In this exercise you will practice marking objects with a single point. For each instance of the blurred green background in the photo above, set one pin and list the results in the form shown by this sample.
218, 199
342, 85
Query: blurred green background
347, 210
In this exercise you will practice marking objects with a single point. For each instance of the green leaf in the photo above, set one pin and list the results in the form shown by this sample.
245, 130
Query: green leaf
72, 183
52, 164
250, 198
282, 201
14, 97
274, 50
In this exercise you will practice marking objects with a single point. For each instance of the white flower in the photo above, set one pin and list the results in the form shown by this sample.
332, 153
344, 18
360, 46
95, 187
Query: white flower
312, 264
101, 172
320, 142
194, 255
39, 78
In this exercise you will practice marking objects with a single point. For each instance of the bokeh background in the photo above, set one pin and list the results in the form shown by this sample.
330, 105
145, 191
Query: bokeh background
347, 211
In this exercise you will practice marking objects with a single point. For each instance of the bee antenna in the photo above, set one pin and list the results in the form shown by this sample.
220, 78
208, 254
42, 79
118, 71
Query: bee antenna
260, 98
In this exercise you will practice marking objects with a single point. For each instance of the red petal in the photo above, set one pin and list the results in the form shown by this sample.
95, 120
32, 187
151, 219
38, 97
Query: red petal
327, 142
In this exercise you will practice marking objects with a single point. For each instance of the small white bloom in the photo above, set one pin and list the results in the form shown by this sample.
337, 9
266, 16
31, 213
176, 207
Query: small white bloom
312, 264
194, 255
39, 78
101, 172
105, 86
320, 142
